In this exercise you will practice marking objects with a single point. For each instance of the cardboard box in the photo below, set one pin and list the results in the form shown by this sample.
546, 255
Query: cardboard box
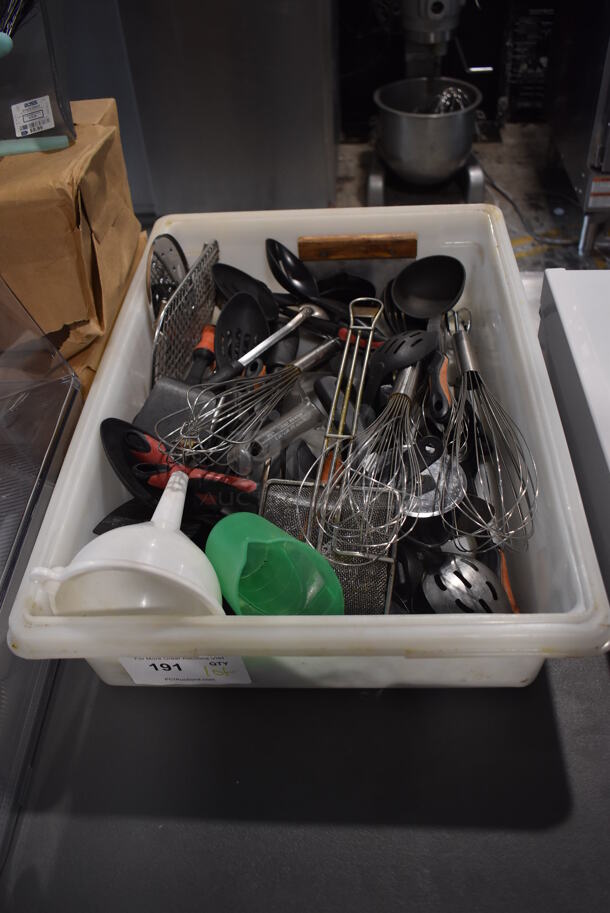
69, 239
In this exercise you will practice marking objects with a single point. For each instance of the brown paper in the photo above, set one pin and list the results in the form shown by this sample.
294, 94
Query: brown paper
69, 239
86, 362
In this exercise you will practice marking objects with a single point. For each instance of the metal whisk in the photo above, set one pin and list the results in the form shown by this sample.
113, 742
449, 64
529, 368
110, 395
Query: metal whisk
369, 502
220, 416
481, 433
453, 98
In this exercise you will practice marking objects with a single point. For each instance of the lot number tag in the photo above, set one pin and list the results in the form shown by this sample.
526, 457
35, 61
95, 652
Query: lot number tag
205, 670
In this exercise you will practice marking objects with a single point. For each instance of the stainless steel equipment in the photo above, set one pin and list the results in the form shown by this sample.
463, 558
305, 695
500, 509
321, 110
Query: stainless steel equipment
301, 508
580, 108
183, 317
480, 432
428, 25
464, 584
166, 267
339, 440
421, 146
219, 416
367, 586
426, 123
369, 501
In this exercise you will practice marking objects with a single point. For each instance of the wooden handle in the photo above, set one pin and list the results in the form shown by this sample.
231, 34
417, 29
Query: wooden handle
358, 247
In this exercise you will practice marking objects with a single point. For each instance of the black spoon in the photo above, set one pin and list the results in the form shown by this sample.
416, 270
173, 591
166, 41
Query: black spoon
293, 275
241, 325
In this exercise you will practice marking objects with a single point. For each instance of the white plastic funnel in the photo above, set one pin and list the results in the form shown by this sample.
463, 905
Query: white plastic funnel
149, 568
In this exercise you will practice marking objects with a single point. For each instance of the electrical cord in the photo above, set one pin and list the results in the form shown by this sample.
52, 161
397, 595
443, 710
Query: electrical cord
541, 239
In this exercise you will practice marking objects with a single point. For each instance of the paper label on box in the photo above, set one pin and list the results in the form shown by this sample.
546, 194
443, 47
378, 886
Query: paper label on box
205, 670
32, 116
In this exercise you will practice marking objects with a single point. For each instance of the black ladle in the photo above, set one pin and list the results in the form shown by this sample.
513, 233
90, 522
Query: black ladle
293, 275
429, 287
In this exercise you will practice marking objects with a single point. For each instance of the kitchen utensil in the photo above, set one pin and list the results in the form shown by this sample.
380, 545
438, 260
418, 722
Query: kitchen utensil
407, 581
133, 511
218, 494
283, 352
293, 275
241, 325
405, 130
274, 437
436, 405
265, 571
452, 98
463, 584
325, 388
220, 416
428, 287
142, 463
167, 395
395, 319
428, 502
395, 354
290, 504
183, 317
504, 469
234, 368
287, 504
230, 281
368, 502
149, 568
166, 267
299, 458
319, 323
345, 287
203, 356
112, 434
364, 314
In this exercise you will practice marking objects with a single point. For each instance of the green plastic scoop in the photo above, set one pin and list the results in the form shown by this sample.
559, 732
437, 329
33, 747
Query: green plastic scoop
264, 571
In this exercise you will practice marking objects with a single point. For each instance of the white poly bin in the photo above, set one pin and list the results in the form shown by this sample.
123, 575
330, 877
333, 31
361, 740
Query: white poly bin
557, 582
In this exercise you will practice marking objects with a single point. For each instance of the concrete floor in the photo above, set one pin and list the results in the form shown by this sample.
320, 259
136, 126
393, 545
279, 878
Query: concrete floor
521, 165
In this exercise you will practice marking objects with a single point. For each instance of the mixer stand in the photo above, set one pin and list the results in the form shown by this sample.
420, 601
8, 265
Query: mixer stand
385, 189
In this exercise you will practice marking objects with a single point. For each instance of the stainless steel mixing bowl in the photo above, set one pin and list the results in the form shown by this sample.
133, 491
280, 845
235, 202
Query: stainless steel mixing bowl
424, 148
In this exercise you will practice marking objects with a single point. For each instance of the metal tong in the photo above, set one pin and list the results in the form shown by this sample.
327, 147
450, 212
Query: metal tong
364, 314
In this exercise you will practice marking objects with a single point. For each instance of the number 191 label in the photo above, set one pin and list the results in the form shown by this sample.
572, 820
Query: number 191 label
205, 670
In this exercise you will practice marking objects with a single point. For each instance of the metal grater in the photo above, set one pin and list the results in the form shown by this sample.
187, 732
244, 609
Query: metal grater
165, 270
183, 318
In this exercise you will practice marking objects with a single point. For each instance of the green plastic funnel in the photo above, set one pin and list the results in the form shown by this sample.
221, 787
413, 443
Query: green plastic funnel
264, 571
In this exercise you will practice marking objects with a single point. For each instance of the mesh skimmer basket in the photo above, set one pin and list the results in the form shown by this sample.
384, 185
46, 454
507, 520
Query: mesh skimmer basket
367, 585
